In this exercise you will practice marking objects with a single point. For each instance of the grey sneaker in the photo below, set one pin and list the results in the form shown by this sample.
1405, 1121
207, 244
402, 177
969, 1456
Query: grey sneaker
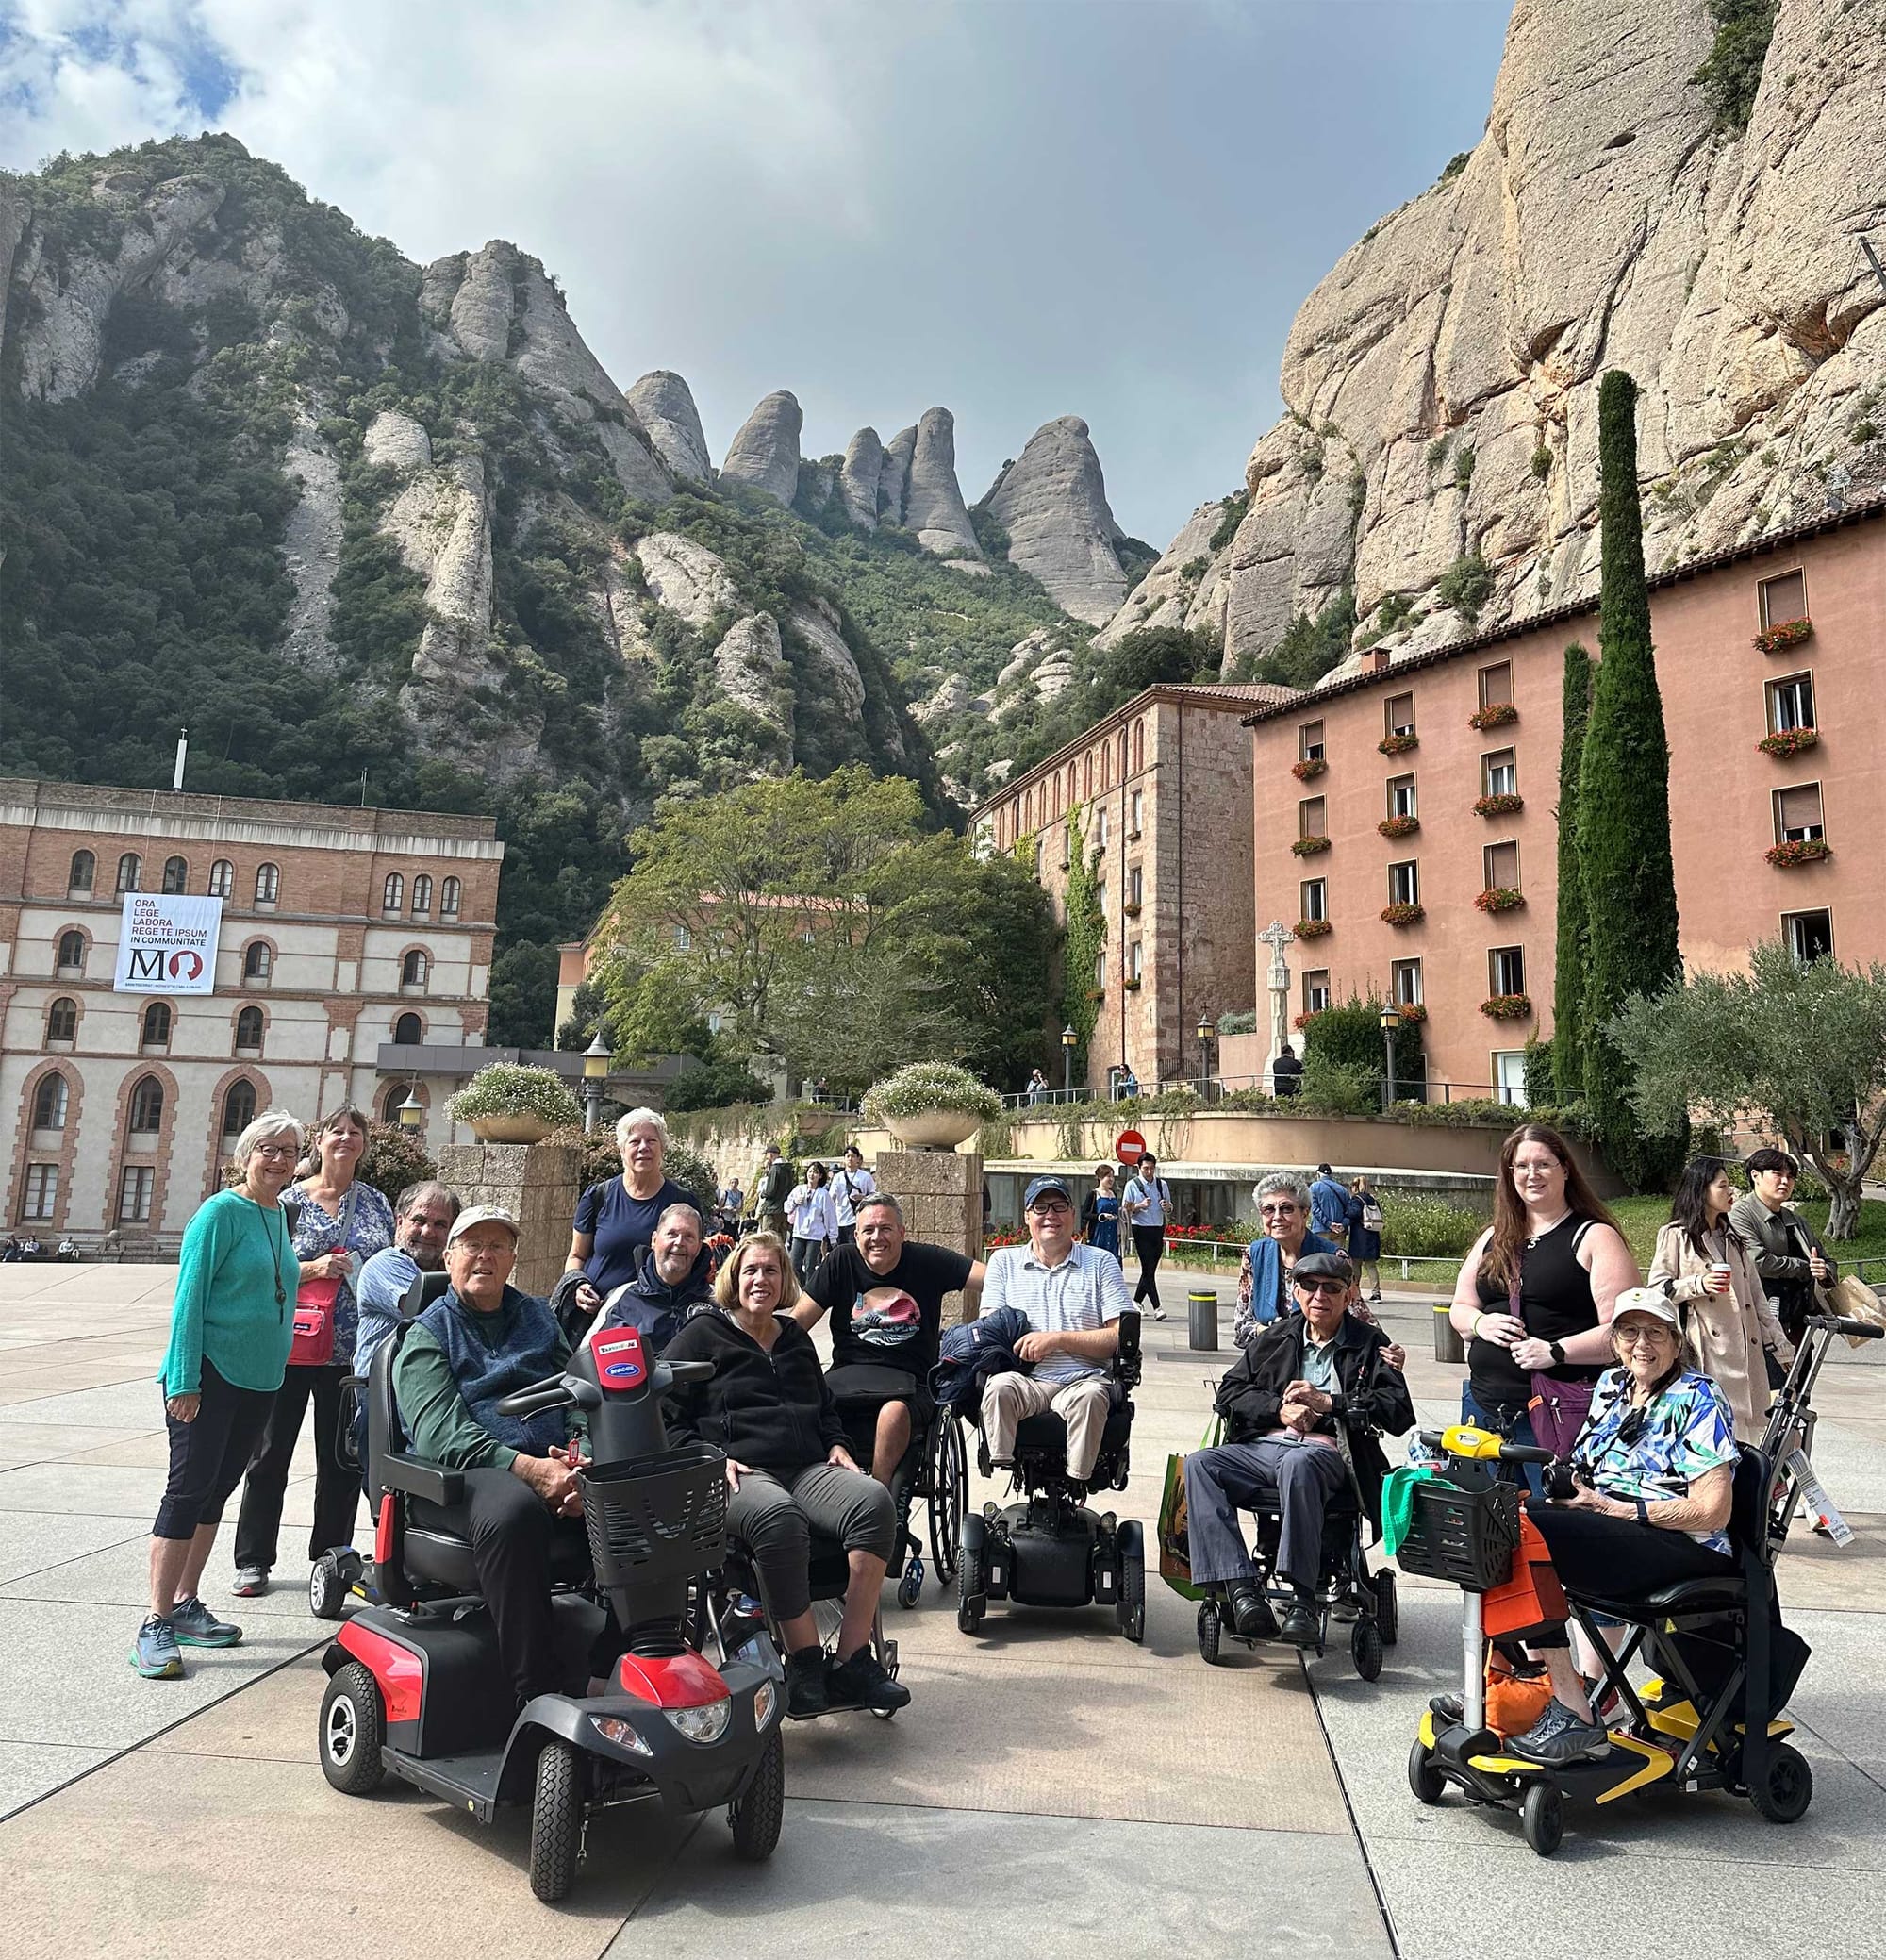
196, 1625
155, 1652
251, 1582
1561, 1737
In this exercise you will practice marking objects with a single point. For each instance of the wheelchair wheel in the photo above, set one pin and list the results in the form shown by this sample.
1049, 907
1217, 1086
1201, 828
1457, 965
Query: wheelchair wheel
557, 1821
1131, 1610
1210, 1633
353, 1720
949, 1496
755, 1815
1542, 1817
1365, 1648
1784, 1794
1387, 1608
1425, 1780
910, 1586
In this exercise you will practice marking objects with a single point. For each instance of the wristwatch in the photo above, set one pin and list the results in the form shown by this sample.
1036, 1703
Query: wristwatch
1558, 1354
1643, 1512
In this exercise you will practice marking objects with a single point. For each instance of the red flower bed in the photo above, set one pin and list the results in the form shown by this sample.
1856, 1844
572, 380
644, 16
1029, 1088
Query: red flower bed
1501, 897
1403, 915
1791, 741
1398, 826
1496, 715
1308, 772
1412, 1011
1310, 846
1312, 928
1507, 805
1507, 1007
1778, 639
1398, 744
1786, 856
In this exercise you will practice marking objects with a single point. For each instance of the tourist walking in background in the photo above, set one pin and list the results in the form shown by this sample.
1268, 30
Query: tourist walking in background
1283, 1201
772, 1189
1364, 1220
1148, 1203
1534, 1297
1788, 1255
1704, 1264
1099, 1215
232, 1322
339, 1222
849, 1190
814, 1219
1329, 1207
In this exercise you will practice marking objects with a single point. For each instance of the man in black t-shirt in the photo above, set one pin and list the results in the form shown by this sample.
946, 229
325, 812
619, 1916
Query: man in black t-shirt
885, 1294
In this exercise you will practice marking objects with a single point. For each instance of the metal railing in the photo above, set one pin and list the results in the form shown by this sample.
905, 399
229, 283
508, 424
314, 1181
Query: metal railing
1211, 1088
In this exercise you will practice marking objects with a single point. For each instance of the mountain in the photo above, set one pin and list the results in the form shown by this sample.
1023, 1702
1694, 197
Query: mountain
1667, 193
393, 532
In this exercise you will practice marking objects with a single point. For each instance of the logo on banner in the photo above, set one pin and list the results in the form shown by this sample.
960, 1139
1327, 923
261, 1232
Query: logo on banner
167, 943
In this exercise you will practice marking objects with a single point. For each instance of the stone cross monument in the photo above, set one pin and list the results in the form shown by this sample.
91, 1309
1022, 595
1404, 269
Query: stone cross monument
1277, 936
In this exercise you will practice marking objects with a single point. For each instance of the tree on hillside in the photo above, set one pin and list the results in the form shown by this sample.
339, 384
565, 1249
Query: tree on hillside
1568, 1059
1792, 1051
1624, 808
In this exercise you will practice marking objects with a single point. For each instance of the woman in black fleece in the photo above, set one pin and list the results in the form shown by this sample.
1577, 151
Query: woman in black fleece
767, 1405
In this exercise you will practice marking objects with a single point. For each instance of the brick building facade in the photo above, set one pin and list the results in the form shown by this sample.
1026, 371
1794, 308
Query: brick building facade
1469, 782
342, 930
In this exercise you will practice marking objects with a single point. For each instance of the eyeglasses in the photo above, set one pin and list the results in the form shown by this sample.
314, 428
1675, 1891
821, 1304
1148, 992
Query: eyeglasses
290, 1150
1276, 1211
1050, 1208
1328, 1288
1643, 1336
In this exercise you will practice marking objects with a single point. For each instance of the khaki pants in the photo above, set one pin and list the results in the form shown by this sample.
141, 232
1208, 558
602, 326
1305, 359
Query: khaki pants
1082, 1405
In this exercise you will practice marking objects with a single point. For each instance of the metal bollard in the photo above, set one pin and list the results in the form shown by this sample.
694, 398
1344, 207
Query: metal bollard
1448, 1345
1201, 1314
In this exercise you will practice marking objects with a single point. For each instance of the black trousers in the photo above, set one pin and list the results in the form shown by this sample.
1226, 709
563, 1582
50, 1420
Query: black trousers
337, 1484
1148, 1242
209, 1454
1618, 1559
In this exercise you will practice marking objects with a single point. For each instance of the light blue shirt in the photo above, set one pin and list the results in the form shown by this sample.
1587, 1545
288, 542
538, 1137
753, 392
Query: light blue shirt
1080, 1295
384, 1280
1151, 1212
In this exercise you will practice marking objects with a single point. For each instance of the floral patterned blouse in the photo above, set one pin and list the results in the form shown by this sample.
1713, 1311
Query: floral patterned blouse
1686, 1432
318, 1230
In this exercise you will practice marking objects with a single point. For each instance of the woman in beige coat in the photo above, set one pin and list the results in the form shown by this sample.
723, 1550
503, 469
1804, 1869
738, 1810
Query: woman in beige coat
1703, 1262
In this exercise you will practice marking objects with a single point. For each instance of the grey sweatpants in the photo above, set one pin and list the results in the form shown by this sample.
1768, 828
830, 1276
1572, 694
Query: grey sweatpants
774, 1516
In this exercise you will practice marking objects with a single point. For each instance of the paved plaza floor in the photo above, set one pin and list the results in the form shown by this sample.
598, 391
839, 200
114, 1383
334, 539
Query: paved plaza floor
1050, 1790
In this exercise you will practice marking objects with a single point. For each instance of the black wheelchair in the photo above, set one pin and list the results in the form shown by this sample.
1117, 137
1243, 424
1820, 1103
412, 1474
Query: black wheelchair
935, 1468
1052, 1549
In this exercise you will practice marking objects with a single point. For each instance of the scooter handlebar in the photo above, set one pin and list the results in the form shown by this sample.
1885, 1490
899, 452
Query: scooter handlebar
687, 1370
1436, 1440
555, 1392
1854, 1330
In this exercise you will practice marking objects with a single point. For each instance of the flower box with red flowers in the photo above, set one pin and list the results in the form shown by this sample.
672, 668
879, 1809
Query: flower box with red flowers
1496, 714
1304, 1019
1507, 1007
1501, 897
1410, 1012
1506, 806
1308, 769
1398, 826
1799, 851
1791, 741
1403, 915
1309, 846
1790, 633
1312, 928
1400, 744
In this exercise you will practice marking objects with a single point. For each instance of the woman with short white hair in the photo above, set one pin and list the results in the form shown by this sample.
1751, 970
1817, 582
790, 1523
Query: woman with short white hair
616, 1219
232, 1323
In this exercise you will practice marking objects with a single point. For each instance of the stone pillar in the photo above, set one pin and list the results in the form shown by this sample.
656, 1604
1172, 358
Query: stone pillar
538, 1184
941, 1193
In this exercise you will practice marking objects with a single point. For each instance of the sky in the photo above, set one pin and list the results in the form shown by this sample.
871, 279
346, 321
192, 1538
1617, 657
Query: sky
1015, 209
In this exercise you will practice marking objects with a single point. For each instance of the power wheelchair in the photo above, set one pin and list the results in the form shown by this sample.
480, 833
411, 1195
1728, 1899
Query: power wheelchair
1052, 1549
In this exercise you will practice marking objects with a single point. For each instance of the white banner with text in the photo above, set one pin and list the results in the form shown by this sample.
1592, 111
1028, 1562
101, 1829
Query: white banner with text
167, 943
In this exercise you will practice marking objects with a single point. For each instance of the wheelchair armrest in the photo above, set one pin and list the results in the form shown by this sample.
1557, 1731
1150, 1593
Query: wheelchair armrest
413, 1476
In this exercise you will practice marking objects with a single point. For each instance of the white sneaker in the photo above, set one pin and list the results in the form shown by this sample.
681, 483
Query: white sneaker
1158, 1313
251, 1582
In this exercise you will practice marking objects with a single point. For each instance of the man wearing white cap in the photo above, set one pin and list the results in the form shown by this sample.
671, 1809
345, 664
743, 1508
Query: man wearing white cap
478, 1342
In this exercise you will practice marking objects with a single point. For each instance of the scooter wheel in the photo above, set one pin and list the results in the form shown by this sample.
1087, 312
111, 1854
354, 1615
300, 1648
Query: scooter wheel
1542, 1817
910, 1587
1131, 1606
1387, 1608
1210, 1633
1425, 1780
557, 1821
352, 1726
326, 1587
1783, 1797
1365, 1648
755, 1815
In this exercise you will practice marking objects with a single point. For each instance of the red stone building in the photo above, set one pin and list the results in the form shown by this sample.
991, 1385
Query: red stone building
1470, 783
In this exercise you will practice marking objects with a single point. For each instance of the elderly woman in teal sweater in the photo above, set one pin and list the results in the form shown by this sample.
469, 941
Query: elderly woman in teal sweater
232, 1323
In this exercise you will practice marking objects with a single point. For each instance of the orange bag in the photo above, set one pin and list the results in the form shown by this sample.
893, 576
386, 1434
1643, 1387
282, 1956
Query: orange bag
1514, 1704
1531, 1595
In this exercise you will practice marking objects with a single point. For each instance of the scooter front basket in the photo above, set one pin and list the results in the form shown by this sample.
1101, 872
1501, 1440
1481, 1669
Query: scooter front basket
1467, 1537
656, 1518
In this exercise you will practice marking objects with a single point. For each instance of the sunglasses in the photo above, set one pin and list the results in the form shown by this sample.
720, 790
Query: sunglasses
1328, 1288
1278, 1211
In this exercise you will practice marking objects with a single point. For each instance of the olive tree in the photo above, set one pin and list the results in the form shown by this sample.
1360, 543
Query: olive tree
1795, 1051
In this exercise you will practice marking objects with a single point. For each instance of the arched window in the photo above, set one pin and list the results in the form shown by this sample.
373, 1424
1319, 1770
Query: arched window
176, 874
1106, 765
448, 899
72, 951
1139, 745
49, 1104
413, 969
1122, 755
129, 869
84, 867
147, 1107
249, 1031
1087, 775
1056, 804
268, 883
62, 1019
157, 1026
239, 1108
408, 1032
390, 1102
221, 878
258, 961
393, 892
421, 894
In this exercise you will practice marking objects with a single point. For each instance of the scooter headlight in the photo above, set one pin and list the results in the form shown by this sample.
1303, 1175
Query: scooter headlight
613, 1729
707, 1724
765, 1699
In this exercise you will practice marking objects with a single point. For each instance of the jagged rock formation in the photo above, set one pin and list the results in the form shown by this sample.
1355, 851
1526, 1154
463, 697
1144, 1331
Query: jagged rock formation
441, 522
685, 578
1441, 379
664, 404
861, 476
1052, 503
765, 454
932, 500
1187, 588
895, 482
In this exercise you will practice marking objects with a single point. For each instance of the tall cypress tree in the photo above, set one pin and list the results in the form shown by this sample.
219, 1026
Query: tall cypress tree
1568, 971
1623, 805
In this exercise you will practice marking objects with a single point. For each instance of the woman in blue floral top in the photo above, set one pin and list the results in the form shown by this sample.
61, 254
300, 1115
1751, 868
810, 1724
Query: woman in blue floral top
340, 1222
1654, 1477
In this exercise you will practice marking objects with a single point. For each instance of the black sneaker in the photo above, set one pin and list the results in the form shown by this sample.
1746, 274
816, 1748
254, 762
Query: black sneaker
805, 1692
1251, 1616
1299, 1626
862, 1682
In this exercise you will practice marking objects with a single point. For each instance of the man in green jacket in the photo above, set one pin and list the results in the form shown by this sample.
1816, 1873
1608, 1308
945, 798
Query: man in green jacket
478, 1342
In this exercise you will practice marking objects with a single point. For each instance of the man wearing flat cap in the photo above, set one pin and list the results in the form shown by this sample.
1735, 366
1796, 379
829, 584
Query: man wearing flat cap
1073, 1295
1301, 1409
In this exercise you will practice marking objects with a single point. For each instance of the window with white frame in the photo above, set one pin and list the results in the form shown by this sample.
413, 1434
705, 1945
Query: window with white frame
448, 899
1310, 742
41, 1201
1312, 897
1791, 704
1136, 964
1499, 773
1399, 713
268, 883
135, 1184
1509, 1076
1404, 982
1797, 815
221, 878
1135, 818
1404, 883
1506, 971
1315, 989
1401, 796
1810, 935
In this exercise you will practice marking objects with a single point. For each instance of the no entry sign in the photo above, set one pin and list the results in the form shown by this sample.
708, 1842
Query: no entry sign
1128, 1146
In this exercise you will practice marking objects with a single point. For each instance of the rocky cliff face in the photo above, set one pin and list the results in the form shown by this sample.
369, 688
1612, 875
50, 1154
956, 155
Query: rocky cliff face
765, 454
1441, 380
664, 404
1052, 503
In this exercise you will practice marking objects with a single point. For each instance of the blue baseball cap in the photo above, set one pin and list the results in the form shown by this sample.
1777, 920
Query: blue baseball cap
1042, 1185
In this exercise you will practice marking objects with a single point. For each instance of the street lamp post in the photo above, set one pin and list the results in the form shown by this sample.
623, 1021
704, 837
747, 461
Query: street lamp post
596, 1060
411, 1113
1205, 1033
1070, 1040
1391, 1019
